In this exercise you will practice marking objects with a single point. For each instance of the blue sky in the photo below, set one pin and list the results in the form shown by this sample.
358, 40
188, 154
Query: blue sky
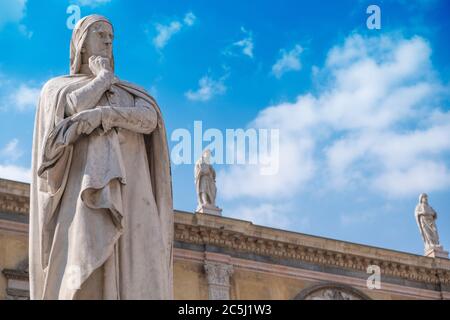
364, 115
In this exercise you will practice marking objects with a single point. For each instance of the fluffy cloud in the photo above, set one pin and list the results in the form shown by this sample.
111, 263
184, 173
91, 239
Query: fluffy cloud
296, 168
166, 31
24, 98
189, 19
11, 151
8, 154
289, 61
15, 173
374, 124
18, 95
270, 214
12, 11
208, 88
245, 45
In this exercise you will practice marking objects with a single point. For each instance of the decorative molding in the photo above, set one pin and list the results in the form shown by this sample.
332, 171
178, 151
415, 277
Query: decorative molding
242, 236
15, 274
14, 197
238, 241
331, 291
17, 283
14, 227
14, 187
294, 273
218, 276
14, 203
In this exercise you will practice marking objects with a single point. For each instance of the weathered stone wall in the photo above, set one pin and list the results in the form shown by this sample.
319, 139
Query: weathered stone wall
222, 258
13, 251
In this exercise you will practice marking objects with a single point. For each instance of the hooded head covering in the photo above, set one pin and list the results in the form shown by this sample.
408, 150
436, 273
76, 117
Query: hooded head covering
422, 195
79, 36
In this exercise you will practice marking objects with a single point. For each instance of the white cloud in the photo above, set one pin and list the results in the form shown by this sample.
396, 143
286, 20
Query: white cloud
414, 178
16, 173
189, 19
375, 124
208, 88
17, 95
11, 151
268, 214
24, 98
289, 61
246, 44
8, 154
166, 31
92, 3
296, 167
12, 11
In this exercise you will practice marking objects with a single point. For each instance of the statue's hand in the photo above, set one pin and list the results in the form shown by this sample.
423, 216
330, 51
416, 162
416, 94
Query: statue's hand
88, 120
101, 66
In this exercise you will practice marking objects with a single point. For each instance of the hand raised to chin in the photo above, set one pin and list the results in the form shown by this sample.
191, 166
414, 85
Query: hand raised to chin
100, 66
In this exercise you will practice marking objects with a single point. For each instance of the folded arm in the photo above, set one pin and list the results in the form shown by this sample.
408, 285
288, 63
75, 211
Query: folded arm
88, 96
142, 118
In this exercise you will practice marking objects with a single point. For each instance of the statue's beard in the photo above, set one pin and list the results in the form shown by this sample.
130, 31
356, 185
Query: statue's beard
105, 54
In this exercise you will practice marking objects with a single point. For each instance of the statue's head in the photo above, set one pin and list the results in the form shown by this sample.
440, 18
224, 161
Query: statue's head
98, 41
92, 36
206, 156
423, 198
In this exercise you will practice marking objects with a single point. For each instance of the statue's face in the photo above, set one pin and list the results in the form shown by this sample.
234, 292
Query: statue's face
207, 156
424, 199
98, 41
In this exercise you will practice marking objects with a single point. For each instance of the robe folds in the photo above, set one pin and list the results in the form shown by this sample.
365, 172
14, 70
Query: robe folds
205, 181
101, 215
426, 220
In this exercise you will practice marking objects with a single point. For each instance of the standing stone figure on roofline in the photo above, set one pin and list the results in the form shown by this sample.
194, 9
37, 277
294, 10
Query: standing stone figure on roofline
101, 216
426, 221
205, 182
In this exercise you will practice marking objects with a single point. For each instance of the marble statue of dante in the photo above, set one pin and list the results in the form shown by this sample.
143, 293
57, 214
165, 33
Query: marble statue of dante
426, 220
101, 216
205, 181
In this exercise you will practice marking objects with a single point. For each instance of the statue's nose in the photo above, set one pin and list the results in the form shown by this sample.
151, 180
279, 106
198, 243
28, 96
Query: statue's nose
108, 40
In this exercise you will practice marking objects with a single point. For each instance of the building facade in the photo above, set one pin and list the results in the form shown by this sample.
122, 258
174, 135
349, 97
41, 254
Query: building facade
222, 258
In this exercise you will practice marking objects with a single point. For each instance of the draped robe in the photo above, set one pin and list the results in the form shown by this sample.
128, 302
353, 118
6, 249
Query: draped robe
101, 216
426, 220
205, 182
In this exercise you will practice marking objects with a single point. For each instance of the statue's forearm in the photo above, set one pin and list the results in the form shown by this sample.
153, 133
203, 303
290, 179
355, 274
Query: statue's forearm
88, 96
142, 118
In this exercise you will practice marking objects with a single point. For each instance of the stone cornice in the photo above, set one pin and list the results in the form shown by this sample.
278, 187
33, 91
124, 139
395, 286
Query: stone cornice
14, 187
14, 196
14, 204
243, 236
14, 227
15, 274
